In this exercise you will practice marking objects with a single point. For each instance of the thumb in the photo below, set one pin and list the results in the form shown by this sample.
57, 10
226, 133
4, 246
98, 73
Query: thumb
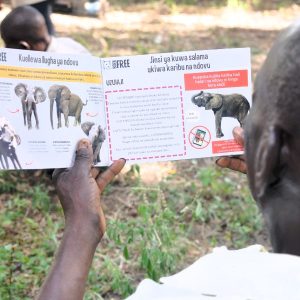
84, 155
238, 134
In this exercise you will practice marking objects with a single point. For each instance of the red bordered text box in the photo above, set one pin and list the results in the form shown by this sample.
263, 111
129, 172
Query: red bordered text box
213, 80
226, 146
107, 93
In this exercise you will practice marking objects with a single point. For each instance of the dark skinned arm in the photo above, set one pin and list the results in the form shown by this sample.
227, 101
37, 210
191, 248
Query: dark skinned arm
79, 191
235, 163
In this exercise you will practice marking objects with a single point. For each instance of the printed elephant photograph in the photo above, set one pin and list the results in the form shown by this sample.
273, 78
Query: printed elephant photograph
233, 106
30, 97
67, 103
9, 140
97, 136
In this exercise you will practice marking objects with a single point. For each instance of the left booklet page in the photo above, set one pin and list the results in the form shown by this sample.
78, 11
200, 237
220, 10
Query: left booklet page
48, 102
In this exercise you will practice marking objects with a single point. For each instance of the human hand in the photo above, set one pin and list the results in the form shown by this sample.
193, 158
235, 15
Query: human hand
236, 163
79, 190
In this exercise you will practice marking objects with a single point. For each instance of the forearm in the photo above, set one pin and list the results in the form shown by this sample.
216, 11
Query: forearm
79, 191
69, 272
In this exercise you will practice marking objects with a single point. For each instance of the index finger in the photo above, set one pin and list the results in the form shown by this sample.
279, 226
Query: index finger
234, 163
103, 179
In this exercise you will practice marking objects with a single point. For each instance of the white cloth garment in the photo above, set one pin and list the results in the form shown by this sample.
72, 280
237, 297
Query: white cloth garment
66, 45
246, 274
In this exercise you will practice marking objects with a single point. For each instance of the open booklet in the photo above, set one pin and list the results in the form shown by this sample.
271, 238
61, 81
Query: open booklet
143, 108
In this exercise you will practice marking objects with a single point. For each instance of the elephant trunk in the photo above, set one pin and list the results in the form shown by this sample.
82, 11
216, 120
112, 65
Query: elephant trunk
194, 99
51, 111
197, 100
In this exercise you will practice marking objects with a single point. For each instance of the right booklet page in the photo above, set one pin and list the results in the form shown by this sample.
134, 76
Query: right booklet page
176, 105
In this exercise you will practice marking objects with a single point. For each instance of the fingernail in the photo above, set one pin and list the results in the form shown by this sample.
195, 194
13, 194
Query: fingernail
84, 143
222, 162
238, 130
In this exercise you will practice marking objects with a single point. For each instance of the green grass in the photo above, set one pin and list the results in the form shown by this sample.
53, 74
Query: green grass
159, 229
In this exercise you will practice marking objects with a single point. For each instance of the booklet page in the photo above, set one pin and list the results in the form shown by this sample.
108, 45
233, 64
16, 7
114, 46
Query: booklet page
176, 105
47, 103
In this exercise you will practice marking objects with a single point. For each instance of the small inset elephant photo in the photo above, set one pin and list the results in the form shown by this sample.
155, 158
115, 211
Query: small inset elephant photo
30, 97
67, 103
233, 105
9, 140
97, 136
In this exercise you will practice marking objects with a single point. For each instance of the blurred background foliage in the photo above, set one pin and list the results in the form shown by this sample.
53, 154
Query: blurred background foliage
152, 231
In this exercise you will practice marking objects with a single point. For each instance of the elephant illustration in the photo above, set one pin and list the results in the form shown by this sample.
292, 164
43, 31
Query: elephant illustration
67, 104
30, 97
234, 106
97, 136
8, 141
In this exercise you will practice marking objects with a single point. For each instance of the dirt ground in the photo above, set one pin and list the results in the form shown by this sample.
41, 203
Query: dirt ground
152, 28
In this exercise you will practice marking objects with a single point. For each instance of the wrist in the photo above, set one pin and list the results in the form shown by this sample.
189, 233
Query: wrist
84, 229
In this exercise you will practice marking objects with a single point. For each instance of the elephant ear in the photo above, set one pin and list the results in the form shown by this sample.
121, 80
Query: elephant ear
214, 102
52, 92
39, 95
18, 139
20, 90
86, 127
65, 93
102, 135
